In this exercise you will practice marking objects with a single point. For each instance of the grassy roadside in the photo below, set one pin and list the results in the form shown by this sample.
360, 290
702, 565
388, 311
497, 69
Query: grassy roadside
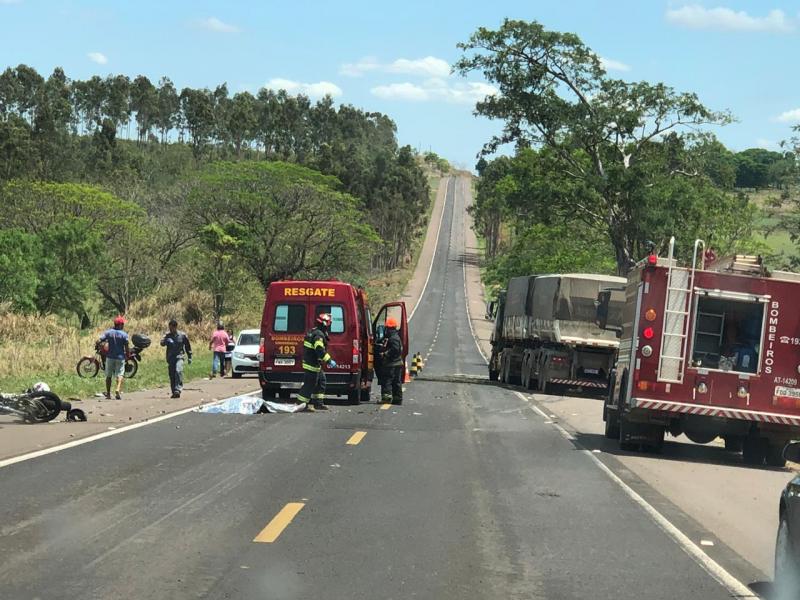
152, 374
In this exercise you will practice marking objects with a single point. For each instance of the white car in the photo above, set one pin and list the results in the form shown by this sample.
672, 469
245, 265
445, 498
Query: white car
245, 353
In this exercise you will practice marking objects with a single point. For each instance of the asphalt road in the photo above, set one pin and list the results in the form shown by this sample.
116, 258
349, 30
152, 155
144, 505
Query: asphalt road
463, 492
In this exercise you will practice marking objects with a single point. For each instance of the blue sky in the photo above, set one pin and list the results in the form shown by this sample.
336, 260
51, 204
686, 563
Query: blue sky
393, 57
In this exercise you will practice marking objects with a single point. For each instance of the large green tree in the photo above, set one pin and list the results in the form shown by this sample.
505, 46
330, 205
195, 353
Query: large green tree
604, 144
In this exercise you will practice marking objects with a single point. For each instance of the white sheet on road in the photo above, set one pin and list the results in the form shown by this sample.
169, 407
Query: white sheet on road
249, 405
238, 405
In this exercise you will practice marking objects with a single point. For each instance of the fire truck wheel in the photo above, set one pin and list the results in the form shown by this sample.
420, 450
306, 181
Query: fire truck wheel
354, 397
365, 395
493, 375
657, 444
754, 450
775, 455
733, 443
624, 430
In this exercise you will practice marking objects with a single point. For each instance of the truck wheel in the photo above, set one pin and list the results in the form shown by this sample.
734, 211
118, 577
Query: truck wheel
365, 395
354, 397
611, 415
493, 375
625, 428
733, 443
753, 451
657, 444
775, 455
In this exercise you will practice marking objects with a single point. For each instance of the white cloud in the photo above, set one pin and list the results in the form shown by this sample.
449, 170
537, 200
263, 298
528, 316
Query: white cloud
214, 24
312, 90
613, 65
430, 66
766, 144
98, 57
435, 89
401, 91
790, 116
694, 16
357, 69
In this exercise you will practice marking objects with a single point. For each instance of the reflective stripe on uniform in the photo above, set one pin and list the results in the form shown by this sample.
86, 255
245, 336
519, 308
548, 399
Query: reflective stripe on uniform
308, 344
326, 358
318, 344
311, 368
302, 398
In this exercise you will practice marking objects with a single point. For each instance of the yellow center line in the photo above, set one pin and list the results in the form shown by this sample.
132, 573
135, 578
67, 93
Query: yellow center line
386, 406
356, 438
279, 522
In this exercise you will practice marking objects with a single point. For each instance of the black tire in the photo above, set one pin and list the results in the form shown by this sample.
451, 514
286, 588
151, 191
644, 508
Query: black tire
45, 407
753, 451
624, 429
611, 417
774, 455
236, 375
493, 375
787, 574
354, 397
131, 368
657, 445
365, 395
76, 414
87, 367
733, 443
503, 375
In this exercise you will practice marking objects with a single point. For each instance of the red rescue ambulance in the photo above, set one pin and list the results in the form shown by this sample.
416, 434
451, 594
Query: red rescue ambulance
708, 350
291, 309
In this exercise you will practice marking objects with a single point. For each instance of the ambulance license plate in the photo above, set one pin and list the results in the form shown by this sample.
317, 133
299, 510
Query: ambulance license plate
284, 362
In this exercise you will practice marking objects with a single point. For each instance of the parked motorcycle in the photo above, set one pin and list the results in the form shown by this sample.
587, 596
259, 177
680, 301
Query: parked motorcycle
38, 406
90, 366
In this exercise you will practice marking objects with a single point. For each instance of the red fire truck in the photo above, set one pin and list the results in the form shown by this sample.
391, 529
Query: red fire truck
708, 350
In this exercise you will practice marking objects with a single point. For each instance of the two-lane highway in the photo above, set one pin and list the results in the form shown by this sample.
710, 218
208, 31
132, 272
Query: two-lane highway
465, 491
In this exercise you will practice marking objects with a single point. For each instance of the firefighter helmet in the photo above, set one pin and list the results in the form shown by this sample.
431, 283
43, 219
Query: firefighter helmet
324, 319
391, 322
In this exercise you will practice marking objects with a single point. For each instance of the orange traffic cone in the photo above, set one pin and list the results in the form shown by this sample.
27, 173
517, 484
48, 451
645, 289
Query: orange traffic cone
407, 377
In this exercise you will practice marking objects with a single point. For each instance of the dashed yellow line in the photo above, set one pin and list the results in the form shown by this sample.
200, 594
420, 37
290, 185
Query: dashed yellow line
279, 522
356, 438
386, 406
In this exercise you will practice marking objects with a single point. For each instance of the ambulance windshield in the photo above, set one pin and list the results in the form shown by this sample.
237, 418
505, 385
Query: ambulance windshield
727, 335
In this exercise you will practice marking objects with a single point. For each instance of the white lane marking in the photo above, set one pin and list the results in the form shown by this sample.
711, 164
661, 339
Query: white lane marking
435, 250
712, 567
99, 436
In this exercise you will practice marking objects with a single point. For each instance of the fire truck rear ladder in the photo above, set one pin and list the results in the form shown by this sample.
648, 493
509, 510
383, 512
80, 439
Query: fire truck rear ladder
677, 308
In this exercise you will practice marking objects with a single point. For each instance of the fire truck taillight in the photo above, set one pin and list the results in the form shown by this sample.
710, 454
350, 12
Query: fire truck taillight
650, 315
648, 333
261, 350
647, 351
652, 260
356, 352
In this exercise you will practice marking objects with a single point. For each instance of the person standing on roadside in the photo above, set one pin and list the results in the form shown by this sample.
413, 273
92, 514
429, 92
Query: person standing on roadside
116, 340
229, 352
219, 346
392, 365
178, 346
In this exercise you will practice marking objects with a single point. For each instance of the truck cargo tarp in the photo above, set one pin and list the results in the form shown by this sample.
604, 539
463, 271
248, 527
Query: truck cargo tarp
517, 296
564, 307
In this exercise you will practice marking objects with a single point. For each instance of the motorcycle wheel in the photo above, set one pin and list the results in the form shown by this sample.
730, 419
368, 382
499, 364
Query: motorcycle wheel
131, 367
76, 414
88, 366
44, 407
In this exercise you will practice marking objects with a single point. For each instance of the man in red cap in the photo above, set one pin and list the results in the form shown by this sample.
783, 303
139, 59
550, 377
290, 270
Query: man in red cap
116, 340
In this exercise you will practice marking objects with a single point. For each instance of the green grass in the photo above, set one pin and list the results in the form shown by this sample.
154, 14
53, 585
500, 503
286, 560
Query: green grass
152, 374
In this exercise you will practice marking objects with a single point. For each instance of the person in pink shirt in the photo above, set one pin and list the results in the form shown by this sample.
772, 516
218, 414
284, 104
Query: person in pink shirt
219, 342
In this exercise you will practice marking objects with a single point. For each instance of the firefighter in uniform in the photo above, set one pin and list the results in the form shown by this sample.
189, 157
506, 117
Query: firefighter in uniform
392, 367
315, 355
